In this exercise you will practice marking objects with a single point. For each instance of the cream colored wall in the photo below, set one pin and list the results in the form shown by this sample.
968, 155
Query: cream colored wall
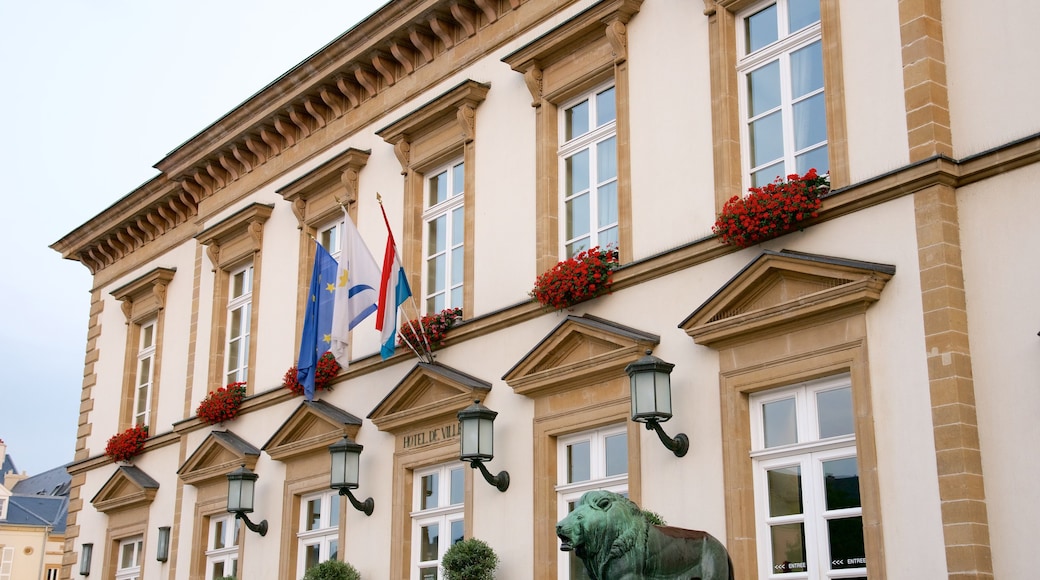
991, 68
25, 539
176, 322
1000, 232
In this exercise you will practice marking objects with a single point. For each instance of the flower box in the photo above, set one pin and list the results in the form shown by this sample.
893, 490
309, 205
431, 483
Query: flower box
124, 446
327, 370
222, 404
432, 329
771, 210
585, 276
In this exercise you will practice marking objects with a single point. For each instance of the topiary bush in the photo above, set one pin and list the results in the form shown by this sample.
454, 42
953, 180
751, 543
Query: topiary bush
470, 559
332, 570
654, 518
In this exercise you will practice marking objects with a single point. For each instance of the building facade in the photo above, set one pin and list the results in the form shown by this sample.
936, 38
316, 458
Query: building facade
856, 393
33, 513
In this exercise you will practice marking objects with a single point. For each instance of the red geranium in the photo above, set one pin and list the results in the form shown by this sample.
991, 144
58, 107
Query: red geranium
585, 276
124, 446
771, 210
327, 370
433, 328
222, 404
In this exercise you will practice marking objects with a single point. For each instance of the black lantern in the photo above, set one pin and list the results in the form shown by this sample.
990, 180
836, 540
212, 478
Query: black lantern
652, 399
346, 458
162, 549
477, 442
86, 552
241, 483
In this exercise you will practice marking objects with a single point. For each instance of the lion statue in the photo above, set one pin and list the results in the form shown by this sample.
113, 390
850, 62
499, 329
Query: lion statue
616, 542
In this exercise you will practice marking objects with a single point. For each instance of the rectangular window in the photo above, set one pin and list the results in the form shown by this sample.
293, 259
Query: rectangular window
318, 530
437, 517
51, 572
239, 308
588, 461
784, 119
6, 562
128, 563
444, 223
145, 373
329, 238
807, 496
589, 172
222, 547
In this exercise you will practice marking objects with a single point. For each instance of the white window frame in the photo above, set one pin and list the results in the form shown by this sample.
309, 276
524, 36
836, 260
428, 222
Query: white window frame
587, 142
6, 562
780, 50
567, 492
132, 571
454, 201
325, 535
145, 379
443, 515
329, 237
809, 454
243, 304
226, 552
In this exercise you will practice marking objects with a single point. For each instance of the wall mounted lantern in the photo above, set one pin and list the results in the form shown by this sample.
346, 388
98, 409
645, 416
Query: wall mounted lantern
240, 497
478, 441
162, 548
346, 460
652, 399
85, 554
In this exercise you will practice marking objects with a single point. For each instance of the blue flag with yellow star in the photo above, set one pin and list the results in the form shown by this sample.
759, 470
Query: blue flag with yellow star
317, 322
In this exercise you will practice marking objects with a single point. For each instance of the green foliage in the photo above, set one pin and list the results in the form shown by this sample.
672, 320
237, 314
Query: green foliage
654, 518
470, 559
332, 570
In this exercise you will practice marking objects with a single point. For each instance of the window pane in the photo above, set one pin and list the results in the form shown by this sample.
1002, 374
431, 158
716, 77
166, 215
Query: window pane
218, 569
802, 13
785, 491
458, 224
806, 70
846, 541
456, 298
435, 273
576, 120
817, 158
142, 399
458, 481
126, 556
760, 29
767, 140
456, 268
617, 454
788, 542
841, 483
577, 246
146, 371
605, 110
767, 174
233, 349
457, 531
780, 426
577, 172
458, 178
312, 556
764, 89
429, 536
834, 410
429, 492
146, 335
437, 235
606, 159
218, 534
438, 191
608, 238
810, 122
313, 516
235, 325
334, 550
579, 463
606, 205
428, 573
577, 216
334, 510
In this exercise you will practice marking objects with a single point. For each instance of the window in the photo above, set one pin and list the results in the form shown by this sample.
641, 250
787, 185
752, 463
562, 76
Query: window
51, 572
145, 372
3, 508
587, 461
222, 547
329, 238
128, 565
319, 530
784, 116
444, 224
807, 493
589, 171
437, 517
239, 310
6, 562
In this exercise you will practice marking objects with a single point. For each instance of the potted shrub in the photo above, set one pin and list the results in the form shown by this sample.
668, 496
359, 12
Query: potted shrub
583, 277
327, 370
222, 404
332, 570
432, 329
771, 210
470, 559
122, 447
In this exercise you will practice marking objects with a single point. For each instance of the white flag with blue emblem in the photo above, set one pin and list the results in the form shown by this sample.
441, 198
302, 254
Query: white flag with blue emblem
357, 289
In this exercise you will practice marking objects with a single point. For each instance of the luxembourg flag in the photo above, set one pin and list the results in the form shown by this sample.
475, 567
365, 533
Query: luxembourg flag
393, 291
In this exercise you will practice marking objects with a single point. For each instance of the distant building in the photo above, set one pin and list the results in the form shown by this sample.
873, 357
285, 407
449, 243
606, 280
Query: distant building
859, 393
33, 511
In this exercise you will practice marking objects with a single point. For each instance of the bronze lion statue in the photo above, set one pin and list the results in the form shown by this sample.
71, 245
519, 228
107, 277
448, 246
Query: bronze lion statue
616, 542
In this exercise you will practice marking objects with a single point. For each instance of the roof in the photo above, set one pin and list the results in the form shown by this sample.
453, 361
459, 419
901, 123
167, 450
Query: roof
38, 510
7, 466
55, 481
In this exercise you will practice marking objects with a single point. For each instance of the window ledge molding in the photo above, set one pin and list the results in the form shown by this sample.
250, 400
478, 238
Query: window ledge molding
236, 237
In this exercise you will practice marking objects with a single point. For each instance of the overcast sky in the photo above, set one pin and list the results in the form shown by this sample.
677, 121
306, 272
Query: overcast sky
96, 93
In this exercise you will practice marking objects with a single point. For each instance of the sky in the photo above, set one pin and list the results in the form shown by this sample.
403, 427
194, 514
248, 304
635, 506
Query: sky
97, 92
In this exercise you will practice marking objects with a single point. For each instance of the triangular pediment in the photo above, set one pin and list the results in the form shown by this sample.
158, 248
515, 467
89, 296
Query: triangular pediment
778, 290
312, 426
579, 351
428, 392
127, 488
219, 454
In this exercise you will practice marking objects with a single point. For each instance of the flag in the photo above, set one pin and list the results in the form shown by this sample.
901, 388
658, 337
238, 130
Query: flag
357, 289
317, 321
393, 291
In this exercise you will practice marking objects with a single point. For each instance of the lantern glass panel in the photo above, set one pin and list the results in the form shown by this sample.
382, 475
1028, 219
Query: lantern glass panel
643, 393
339, 468
470, 435
487, 437
664, 394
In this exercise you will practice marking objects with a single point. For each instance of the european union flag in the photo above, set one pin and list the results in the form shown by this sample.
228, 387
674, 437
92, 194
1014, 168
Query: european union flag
317, 322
